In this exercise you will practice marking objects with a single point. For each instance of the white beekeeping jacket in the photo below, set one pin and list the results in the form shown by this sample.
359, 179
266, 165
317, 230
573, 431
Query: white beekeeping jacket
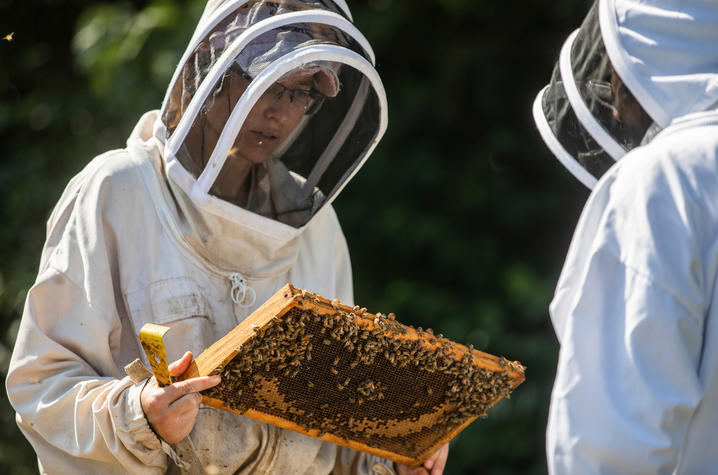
636, 389
158, 233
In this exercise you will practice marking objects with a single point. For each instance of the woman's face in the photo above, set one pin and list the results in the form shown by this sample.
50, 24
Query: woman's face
272, 119
275, 115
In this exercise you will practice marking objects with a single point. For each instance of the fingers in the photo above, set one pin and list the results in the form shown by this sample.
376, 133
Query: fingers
168, 394
171, 410
180, 366
438, 460
406, 470
195, 385
189, 403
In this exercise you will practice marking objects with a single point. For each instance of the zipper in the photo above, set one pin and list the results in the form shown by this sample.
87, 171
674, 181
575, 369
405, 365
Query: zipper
241, 294
240, 291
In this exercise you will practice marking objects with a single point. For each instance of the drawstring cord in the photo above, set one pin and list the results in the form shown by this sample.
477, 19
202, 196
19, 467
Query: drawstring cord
241, 291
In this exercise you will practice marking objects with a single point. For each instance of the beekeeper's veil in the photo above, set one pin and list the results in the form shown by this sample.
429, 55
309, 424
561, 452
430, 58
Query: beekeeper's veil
630, 69
251, 68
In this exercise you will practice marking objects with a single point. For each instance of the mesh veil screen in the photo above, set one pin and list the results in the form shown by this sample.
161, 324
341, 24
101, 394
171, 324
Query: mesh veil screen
613, 122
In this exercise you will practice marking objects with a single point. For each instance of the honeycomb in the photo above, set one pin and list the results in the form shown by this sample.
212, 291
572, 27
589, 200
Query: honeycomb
353, 378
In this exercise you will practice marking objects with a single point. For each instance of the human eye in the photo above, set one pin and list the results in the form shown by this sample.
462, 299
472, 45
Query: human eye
275, 90
300, 94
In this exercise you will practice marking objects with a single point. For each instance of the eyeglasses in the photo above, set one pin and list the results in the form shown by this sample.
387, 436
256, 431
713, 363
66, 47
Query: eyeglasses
309, 101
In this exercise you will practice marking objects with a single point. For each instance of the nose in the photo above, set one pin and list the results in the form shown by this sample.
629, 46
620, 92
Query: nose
277, 111
277, 108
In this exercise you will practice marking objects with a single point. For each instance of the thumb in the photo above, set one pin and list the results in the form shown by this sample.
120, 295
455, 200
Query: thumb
181, 365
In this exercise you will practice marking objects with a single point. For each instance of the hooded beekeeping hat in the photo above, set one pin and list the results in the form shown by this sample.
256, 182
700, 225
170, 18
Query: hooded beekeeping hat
272, 109
628, 71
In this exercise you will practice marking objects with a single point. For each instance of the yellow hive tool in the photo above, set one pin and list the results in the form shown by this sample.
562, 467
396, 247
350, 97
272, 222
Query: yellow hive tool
152, 340
151, 337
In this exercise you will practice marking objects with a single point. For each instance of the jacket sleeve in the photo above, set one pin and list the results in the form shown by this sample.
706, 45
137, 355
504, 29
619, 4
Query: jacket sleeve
64, 384
629, 313
627, 385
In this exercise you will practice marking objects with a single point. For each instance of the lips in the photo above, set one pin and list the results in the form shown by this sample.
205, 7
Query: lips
265, 136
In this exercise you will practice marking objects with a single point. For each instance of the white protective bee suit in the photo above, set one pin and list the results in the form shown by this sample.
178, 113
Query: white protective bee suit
140, 236
636, 389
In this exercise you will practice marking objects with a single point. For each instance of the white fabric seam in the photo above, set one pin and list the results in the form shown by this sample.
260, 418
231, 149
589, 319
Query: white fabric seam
643, 275
566, 159
583, 114
617, 55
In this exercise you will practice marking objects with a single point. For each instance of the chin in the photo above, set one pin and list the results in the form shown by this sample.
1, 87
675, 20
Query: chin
258, 158
254, 156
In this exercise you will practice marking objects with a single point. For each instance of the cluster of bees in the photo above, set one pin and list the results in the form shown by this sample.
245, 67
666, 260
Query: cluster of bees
359, 377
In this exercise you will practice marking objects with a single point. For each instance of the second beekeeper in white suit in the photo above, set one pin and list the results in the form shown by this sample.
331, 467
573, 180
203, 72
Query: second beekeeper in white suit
631, 112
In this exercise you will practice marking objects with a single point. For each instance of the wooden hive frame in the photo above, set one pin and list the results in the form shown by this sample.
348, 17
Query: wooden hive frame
459, 383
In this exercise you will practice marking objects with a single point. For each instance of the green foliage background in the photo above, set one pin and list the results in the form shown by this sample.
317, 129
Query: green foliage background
459, 221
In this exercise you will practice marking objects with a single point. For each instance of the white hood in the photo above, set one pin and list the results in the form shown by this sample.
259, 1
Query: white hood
239, 52
666, 52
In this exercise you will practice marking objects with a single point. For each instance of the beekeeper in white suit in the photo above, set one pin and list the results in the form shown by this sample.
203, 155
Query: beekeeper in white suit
219, 199
631, 111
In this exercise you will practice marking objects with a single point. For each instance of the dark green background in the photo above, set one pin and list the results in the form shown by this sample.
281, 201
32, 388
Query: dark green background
458, 222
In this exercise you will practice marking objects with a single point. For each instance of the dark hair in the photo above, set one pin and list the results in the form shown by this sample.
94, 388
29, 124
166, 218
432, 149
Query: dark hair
626, 108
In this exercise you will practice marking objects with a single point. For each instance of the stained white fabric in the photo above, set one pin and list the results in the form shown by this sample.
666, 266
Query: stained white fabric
126, 247
636, 389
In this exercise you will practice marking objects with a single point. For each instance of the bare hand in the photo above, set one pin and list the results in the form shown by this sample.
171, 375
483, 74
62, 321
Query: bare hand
434, 465
171, 410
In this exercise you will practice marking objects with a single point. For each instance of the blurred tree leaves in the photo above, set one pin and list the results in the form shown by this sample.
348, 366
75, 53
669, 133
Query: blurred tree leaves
109, 36
459, 221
